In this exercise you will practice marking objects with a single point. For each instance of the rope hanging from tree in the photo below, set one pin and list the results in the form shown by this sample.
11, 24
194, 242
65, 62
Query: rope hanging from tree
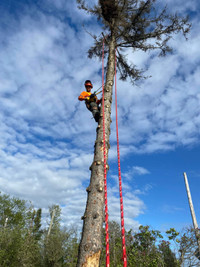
119, 170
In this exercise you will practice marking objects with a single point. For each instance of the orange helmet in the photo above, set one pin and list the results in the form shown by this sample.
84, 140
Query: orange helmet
88, 83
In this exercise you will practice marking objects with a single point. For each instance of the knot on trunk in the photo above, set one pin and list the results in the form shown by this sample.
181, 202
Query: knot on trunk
95, 215
83, 217
88, 189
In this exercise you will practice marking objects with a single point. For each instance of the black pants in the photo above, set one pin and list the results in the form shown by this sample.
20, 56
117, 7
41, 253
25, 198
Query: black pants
95, 109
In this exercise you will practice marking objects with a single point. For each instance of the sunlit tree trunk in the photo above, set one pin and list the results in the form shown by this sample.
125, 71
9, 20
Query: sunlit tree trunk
91, 242
196, 228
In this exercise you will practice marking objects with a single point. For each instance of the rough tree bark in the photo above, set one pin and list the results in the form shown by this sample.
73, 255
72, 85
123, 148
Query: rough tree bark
91, 242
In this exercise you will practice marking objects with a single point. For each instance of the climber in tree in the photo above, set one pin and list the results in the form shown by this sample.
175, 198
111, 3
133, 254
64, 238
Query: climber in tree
91, 100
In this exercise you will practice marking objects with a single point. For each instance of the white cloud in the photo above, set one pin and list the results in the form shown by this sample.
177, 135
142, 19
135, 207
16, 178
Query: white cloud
140, 170
171, 209
181, 6
47, 136
163, 111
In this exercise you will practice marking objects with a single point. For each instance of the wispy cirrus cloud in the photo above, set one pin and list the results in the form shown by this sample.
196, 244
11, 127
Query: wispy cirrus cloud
47, 136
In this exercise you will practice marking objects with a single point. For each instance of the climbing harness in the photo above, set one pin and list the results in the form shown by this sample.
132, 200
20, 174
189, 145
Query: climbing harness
119, 170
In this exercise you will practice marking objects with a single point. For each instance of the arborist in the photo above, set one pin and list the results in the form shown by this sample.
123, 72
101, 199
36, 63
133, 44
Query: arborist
91, 100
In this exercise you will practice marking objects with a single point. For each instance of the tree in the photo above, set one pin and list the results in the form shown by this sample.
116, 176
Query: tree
19, 237
53, 242
188, 247
23, 243
37, 232
143, 251
126, 23
71, 247
114, 245
60, 244
169, 257
29, 252
12, 211
12, 222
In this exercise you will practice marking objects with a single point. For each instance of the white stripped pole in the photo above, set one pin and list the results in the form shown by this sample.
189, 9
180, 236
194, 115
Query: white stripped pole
51, 223
6, 221
192, 212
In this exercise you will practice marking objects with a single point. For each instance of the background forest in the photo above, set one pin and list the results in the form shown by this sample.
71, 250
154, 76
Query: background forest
27, 239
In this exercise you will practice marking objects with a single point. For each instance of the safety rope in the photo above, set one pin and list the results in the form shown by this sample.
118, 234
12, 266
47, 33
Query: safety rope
119, 170
119, 173
105, 171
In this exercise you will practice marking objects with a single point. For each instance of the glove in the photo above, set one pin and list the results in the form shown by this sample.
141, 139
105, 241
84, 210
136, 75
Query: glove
99, 101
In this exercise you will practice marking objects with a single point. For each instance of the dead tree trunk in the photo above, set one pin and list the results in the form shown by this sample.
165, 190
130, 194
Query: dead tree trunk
91, 241
51, 223
196, 229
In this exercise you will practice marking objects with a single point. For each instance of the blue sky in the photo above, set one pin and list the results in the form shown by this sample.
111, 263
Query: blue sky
47, 136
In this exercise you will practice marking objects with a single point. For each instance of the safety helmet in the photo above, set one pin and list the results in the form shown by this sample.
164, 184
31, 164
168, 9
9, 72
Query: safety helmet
88, 83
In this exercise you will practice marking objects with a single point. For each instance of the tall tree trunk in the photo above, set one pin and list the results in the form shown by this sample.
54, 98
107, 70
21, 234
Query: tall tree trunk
196, 228
91, 241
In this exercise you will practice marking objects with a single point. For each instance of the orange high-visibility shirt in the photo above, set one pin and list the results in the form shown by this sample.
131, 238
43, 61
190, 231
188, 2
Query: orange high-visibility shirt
83, 95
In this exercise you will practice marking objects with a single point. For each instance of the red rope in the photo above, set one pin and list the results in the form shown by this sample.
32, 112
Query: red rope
105, 171
119, 173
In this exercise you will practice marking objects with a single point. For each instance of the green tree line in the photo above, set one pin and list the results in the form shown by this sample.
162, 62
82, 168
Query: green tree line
25, 242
